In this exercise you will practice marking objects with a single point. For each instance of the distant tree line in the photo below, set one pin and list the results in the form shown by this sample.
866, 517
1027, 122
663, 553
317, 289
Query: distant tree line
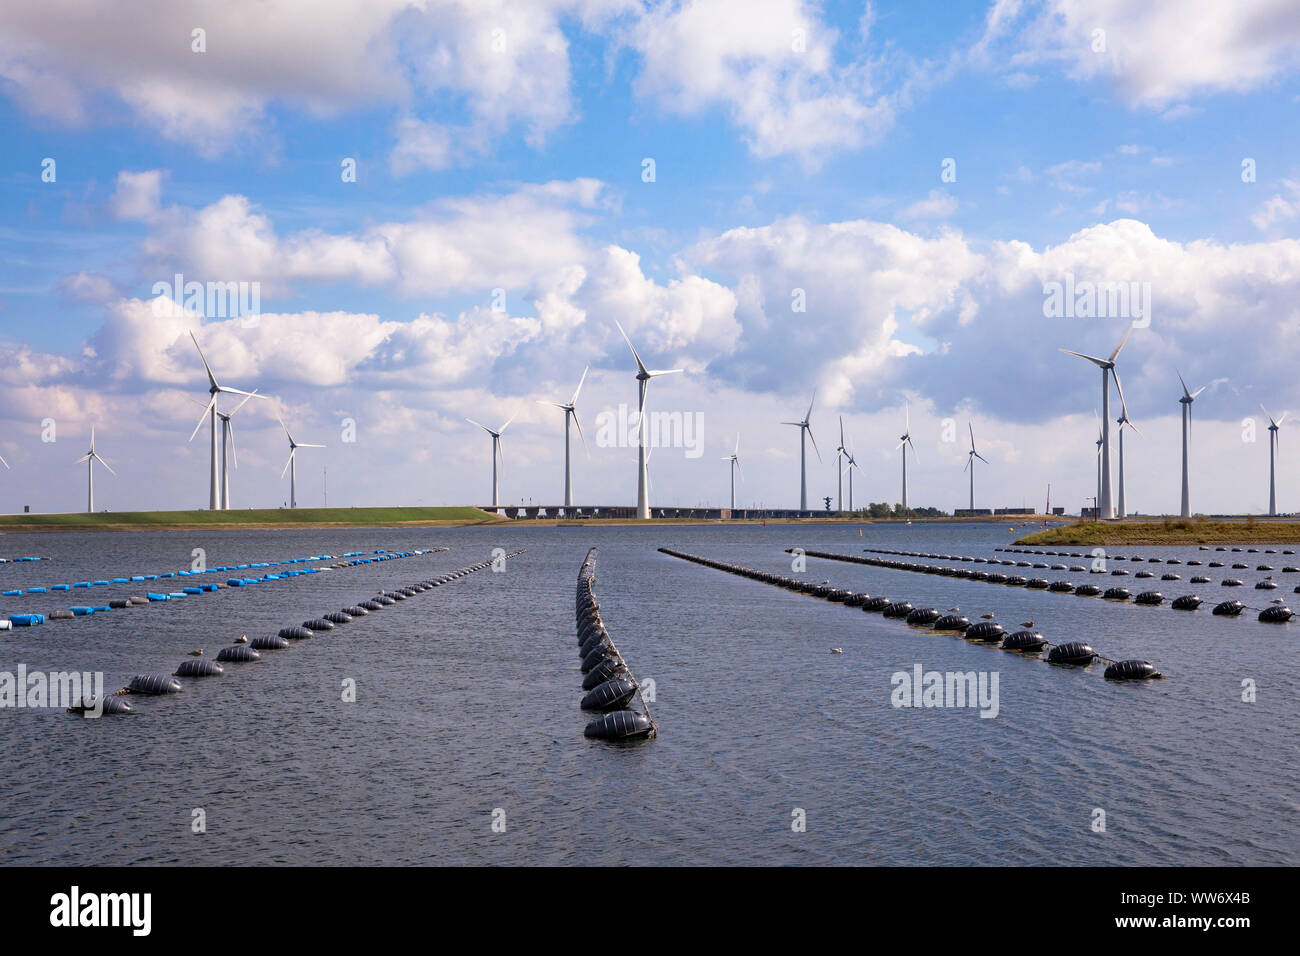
881, 509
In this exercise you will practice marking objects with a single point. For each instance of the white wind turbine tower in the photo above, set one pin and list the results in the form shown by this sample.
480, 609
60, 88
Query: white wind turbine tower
90, 458
227, 446
841, 452
970, 464
1105, 365
1186, 402
734, 458
1273, 427
570, 410
643, 376
805, 429
210, 412
1122, 421
496, 451
904, 440
291, 466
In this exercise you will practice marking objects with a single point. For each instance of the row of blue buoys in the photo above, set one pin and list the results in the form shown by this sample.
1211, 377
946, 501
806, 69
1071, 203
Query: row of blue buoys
32, 620
607, 679
1276, 613
1072, 653
246, 651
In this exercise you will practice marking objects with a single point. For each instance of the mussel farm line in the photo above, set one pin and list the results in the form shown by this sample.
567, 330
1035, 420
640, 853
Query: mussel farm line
608, 680
1276, 613
246, 651
1072, 653
350, 560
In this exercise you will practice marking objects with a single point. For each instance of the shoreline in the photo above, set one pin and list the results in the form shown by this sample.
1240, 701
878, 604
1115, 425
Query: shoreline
414, 517
1244, 530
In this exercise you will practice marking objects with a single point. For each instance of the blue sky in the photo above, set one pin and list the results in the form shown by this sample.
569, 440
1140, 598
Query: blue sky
519, 166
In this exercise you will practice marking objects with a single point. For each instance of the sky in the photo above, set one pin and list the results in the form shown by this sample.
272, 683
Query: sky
438, 211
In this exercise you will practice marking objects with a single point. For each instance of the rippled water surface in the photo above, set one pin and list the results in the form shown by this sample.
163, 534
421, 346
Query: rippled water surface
468, 701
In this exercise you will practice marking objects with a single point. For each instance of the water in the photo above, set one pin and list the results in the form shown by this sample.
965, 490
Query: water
468, 694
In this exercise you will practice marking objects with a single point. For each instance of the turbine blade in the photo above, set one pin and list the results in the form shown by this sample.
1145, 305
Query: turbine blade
1199, 390
501, 454
808, 416
1282, 419
971, 428
234, 454
574, 400
251, 395
1123, 407
913, 446
480, 425
305, 445
662, 371
3, 462
1090, 358
968, 458
287, 462
206, 408
1115, 354
982, 458
841, 432
106, 465
82, 458
208, 368
740, 470
578, 425
1132, 426
508, 421
639, 364
814, 441
1181, 382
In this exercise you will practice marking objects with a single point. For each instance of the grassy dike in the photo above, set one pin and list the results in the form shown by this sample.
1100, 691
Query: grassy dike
248, 518
1169, 531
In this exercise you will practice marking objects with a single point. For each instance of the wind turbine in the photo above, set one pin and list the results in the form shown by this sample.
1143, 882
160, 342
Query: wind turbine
852, 463
210, 412
1273, 427
291, 466
904, 440
1105, 365
643, 376
841, 452
734, 458
570, 409
1096, 506
227, 445
496, 451
805, 429
970, 464
1186, 402
1121, 422
90, 458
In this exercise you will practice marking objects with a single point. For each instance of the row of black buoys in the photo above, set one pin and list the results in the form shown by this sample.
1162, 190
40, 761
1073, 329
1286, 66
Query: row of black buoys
246, 651
607, 679
1278, 613
1074, 653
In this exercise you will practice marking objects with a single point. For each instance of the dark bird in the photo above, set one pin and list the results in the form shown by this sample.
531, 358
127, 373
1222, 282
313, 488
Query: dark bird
1026, 623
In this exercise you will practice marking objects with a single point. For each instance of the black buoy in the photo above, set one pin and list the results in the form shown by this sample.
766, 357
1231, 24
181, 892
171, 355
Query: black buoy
338, 617
268, 642
109, 705
238, 654
1229, 608
1074, 652
620, 725
990, 632
952, 622
1186, 602
605, 670
923, 617
1132, 670
318, 624
613, 694
154, 684
295, 633
1024, 641
199, 667
1276, 614
876, 604
1149, 598
898, 609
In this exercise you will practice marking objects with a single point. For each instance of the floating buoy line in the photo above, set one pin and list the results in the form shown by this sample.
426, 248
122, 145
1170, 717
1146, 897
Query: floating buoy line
351, 559
607, 678
1024, 642
22, 560
1276, 613
244, 651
